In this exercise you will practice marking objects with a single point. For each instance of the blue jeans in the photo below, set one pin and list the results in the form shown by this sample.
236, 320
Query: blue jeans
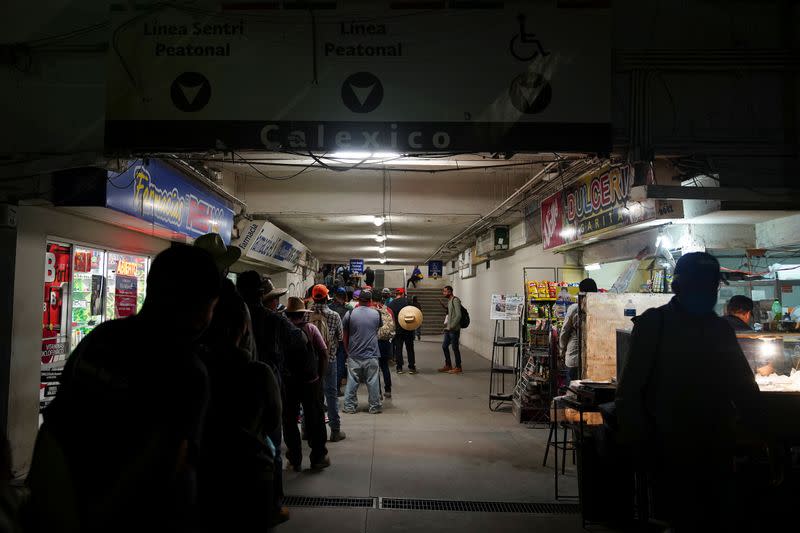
362, 371
341, 357
451, 337
331, 383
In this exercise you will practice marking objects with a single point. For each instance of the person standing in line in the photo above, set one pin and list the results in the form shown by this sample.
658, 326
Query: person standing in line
361, 327
237, 471
272, 333
452, 332
415, 303
402, 336
369, 277
568, 339
320, 311
385, 334
127, 419
339, 306
305, 364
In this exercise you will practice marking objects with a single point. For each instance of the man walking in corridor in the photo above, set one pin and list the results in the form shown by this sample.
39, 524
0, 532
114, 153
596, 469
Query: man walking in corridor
452, 332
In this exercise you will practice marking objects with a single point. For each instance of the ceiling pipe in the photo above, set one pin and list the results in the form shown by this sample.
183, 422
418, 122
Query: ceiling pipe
510, 202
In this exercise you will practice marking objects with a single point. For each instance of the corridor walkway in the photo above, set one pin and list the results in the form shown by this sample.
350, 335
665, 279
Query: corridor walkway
436, 439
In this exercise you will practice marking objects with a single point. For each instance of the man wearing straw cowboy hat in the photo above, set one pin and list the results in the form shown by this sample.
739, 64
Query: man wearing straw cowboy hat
404, 331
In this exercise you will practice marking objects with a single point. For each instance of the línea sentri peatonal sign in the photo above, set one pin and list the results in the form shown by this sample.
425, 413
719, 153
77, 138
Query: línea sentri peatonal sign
364, 77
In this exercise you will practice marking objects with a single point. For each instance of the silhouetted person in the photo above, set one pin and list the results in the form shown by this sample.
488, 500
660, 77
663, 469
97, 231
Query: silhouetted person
685, 383
369, 277
273, 335
129, 411
416, 275
568, 339
237, 471
305, 363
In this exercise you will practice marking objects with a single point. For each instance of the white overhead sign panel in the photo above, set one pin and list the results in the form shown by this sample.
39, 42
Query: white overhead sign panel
522, 77
265, 242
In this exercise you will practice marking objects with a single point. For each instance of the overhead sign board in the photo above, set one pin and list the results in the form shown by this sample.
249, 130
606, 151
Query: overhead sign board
521, 76
357, 266
158, 193
435, 269
597, 203
265, 242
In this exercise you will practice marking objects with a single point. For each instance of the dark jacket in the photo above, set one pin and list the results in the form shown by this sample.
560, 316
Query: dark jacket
369, 277
685, 382
737, 323
396, 306
128, 417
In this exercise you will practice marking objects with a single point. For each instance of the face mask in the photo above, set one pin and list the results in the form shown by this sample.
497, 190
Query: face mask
698, 303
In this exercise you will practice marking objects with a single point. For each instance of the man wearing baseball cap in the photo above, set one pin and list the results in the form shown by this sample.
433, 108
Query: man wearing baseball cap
684, 386
361, 327
322, 313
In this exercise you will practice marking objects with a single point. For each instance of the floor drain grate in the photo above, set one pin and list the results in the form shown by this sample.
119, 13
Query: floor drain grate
477, 507
309, 501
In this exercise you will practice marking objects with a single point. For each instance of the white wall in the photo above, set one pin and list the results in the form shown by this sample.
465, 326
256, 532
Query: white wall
505, 276
35, 224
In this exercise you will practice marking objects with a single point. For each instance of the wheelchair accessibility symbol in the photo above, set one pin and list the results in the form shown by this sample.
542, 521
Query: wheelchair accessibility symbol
525, 46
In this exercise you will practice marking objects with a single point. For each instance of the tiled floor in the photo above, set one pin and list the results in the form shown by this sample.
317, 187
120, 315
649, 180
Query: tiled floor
436, 439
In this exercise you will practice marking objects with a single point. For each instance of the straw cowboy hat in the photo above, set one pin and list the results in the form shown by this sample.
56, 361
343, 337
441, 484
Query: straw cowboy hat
296, 305
409, 318
269, 290
224, 256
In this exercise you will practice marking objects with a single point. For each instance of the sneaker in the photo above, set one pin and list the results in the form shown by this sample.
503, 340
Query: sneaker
349, 411
400, 371
456, 370
445, 368
412, 371
388, 394
325, 462
337, 435
375, 410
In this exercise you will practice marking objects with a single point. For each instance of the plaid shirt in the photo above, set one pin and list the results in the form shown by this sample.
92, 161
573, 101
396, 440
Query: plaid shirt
334, 329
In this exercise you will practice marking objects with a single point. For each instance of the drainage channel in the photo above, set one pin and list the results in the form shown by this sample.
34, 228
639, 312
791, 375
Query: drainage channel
414, 504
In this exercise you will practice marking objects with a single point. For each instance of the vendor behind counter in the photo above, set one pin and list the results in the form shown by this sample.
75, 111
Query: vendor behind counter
740, 313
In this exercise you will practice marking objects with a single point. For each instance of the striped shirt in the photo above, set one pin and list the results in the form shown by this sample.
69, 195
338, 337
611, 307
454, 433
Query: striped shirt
335, 333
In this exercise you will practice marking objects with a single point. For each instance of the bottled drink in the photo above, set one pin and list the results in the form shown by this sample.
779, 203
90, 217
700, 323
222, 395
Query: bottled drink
630, 309
776, 311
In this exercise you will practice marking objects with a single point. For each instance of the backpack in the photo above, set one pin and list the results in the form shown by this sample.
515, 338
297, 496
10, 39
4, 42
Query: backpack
319, 319
464, 316
386, 331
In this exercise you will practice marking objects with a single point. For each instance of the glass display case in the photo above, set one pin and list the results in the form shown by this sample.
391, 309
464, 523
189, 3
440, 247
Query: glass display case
774, 359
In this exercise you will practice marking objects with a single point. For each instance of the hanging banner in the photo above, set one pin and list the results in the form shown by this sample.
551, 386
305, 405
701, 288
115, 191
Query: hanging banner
506, 307
360, 76
435, 269
125, 293
357, 266
265, 242
597, 203
158, 193
55, 317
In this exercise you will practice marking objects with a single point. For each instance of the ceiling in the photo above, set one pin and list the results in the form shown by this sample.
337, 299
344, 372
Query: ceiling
330, 206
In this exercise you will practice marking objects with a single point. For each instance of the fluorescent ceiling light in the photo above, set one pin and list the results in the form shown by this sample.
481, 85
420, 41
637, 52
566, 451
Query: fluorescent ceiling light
593, 266
380, 238
360, 156
568, 233
382, 260
382, 248
378, 221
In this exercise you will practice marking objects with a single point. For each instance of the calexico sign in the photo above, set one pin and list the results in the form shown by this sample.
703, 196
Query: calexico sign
596, 203
267, 243
377, 79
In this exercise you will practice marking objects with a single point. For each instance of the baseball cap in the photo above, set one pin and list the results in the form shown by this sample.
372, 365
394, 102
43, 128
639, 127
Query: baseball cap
340, 290
386, 291
400, 290
365, 295
319, 292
